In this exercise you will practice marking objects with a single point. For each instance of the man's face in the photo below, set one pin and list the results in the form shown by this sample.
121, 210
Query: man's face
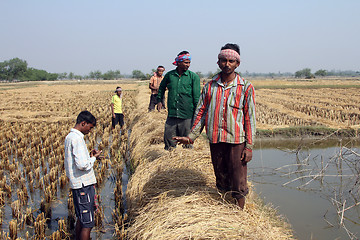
228, 65
118, 92
160, 71
184, 65
86, 127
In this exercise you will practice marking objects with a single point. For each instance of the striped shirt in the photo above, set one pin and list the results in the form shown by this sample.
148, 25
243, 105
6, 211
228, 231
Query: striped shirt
228, 113
78, 163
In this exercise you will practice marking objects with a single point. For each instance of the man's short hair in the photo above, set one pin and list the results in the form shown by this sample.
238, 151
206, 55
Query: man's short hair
87, 117
183, 52
232, 46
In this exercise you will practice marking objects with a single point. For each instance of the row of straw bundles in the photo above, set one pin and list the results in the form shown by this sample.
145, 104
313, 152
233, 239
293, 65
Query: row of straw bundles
173, 196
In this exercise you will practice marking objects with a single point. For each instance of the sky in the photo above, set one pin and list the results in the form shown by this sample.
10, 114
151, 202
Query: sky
81, 36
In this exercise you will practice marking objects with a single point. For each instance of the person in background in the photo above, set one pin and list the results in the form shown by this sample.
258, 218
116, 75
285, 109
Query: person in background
117, 115
154, 86
227, 111
183, 96
79, 169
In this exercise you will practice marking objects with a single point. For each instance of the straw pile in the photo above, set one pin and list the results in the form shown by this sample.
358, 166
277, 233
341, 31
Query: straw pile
172, 195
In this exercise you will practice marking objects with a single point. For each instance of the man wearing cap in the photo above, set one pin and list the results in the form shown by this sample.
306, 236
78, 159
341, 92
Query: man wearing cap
227, 111
183, 96
154, 86
117, 115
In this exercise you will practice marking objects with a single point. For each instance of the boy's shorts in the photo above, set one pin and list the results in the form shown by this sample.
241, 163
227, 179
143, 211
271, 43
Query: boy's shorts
84, 202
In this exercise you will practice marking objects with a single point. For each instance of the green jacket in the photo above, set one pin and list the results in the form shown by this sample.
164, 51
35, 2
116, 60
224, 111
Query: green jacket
184, 93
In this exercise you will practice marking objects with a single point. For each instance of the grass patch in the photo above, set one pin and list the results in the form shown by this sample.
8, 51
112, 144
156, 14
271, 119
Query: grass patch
291, 132
306, 86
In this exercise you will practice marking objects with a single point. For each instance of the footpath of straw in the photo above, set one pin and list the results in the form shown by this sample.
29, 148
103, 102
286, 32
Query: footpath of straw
172, 195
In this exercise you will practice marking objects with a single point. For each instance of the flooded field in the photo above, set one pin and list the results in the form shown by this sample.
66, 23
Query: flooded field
315, 191
315, 184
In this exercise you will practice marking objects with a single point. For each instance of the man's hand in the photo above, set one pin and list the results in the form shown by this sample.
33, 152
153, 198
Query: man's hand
246, 155
159, 106
96, 153
113, 115
182, 140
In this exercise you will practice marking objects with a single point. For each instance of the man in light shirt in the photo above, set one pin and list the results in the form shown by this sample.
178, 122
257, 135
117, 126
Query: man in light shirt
79, 169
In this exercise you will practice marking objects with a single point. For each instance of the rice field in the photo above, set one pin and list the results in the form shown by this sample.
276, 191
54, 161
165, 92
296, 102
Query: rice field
170, 195
34, 123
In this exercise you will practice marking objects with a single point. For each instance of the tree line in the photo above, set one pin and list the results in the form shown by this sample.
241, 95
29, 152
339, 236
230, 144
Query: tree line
17, 69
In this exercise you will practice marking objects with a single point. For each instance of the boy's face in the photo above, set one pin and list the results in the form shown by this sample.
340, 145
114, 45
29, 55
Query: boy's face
86, 127
160, 71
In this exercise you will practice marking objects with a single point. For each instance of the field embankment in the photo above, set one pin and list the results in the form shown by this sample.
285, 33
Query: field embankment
172, 195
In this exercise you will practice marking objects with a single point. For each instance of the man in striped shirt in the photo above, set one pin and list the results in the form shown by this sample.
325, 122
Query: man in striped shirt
226, 109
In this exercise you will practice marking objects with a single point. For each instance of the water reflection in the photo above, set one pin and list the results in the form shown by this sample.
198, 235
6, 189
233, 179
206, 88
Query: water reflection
315, 184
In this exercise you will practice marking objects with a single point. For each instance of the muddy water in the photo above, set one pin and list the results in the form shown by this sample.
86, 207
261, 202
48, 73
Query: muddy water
309, 185
309, 206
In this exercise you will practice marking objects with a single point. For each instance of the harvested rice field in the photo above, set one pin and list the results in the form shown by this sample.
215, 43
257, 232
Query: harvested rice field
170, 195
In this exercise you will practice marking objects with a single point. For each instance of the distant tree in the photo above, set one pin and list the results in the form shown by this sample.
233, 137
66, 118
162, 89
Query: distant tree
321, 73
12, 69
209, 74
109, 75
117, 74
200, 74
148, 75
62, 75
298, 74
71, 75
138, 75
52, 76
3, 71
95, 75
33, 74
272, 75
304, 73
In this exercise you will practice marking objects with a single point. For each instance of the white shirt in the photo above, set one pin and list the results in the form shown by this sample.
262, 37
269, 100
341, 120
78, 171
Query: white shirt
78, 163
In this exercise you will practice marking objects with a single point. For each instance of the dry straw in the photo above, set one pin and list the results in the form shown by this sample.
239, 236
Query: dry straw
172, 195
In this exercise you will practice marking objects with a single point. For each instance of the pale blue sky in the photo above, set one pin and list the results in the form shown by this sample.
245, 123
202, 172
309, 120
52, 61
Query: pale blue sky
85, 35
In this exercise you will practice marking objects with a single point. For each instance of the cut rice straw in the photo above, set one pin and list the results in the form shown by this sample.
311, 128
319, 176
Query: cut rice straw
172, 195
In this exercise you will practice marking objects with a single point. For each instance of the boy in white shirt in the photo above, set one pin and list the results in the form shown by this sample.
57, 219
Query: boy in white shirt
79, 169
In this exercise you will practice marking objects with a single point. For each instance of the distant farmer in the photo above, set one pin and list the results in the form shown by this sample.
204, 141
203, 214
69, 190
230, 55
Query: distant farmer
154, 86
227, 110
184, 93
79, 169
117, 115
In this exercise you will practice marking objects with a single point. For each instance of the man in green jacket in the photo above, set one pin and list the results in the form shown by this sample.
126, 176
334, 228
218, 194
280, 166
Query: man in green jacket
183, 96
